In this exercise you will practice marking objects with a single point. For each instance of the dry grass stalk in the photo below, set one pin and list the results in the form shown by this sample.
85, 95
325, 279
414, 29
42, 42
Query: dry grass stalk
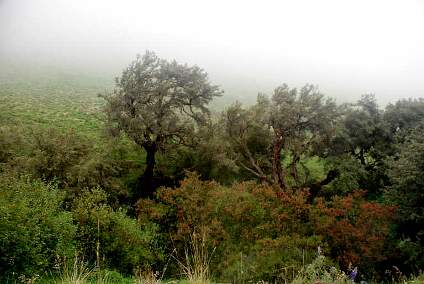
195, 264
77, 274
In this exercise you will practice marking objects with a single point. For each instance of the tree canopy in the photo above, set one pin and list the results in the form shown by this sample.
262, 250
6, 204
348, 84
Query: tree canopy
158, 103
286, 126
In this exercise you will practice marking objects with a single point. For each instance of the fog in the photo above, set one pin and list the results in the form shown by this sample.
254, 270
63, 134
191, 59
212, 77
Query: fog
347, 48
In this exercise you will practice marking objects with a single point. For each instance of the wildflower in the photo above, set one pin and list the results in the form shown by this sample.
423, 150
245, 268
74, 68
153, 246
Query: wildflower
353, 274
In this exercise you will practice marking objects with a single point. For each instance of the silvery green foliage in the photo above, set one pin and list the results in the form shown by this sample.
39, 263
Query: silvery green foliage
157, 102
288, 125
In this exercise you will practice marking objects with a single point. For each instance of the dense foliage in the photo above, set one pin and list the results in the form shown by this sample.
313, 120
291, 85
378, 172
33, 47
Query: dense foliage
156, 104
293, 188
34, 229
262, 231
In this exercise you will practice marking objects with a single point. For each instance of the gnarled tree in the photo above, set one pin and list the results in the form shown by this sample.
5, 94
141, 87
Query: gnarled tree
288, 125
158, 103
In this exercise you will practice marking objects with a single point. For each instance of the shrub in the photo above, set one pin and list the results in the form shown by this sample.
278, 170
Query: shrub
321, 271
69, 159
34, 230
256, 231
111, 237
52, 154
10, 140
355, 229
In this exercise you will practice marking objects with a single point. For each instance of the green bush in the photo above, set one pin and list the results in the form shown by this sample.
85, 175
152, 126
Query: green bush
10, 142
34, 230
321, 270
67, 158
110, 236
256, 231
52, 154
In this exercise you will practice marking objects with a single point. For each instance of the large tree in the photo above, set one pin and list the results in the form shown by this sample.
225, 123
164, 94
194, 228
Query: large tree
363, 133
285, 127
362, 143
158, 103
406, 173
404, 115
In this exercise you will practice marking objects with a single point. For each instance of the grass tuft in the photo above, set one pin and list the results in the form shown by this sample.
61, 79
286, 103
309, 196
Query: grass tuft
194, 265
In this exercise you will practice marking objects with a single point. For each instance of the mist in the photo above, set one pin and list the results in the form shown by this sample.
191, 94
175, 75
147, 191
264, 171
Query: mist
347, 48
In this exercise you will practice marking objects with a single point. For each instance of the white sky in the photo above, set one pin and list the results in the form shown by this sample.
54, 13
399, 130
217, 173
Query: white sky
346, 47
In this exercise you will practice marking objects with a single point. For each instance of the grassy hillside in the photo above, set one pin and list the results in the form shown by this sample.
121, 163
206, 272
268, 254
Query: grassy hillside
62, 101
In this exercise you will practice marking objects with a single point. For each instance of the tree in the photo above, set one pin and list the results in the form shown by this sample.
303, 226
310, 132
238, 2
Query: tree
364, 134
404, 115
289, 125
156, 103
406, 172
249, 139
363, 138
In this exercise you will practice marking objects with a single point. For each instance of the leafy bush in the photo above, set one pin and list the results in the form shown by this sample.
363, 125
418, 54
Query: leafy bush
321, 271
69, 159
111, 237
10, 140
52, 154
355, 229
256, 231
34, 230
262, 233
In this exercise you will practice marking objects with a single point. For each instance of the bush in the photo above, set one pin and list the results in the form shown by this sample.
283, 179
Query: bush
356, 230
259, 232
34, 230
255, 231
52, 154
10, 140
321, 271
69, 159
110, 236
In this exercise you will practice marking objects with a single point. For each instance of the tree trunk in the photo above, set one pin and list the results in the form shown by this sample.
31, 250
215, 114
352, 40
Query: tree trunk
277, 170
362, 156
146, 185
150, 160
293, 167
314, 189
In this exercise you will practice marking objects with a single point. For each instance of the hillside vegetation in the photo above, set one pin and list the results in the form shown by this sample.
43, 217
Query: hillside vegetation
140, 182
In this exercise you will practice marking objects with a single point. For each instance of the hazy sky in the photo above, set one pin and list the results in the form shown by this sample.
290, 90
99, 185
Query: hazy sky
346, 47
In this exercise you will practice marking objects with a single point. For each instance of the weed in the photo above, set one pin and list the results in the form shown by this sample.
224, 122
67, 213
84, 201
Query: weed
195, 263
79, 273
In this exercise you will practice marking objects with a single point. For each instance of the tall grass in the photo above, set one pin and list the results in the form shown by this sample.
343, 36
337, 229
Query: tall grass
147, 277
78, 273
194, 265
81, 273
417, 280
